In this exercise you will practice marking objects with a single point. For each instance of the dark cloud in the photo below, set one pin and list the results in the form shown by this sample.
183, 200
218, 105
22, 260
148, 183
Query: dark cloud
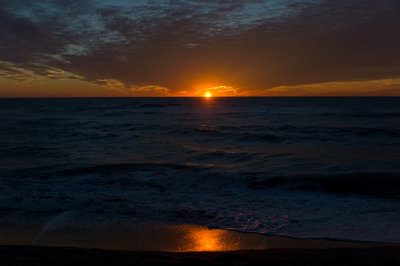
177, 44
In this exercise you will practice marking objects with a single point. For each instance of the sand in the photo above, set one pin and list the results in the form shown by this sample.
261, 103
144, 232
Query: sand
182, 245
38, 255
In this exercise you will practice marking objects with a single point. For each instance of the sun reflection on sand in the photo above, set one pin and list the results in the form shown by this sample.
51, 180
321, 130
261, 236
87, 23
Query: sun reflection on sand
199, 238
168, 238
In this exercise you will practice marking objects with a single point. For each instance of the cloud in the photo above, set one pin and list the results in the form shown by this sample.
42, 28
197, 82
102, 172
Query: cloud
384, 87
172, 46
144, 90
215, 91
150, 89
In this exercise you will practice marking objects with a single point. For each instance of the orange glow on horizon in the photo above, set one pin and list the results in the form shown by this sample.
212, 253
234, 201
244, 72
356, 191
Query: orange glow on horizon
45, 87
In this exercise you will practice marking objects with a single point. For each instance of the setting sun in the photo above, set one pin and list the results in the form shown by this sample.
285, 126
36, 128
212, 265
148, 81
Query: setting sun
207, 95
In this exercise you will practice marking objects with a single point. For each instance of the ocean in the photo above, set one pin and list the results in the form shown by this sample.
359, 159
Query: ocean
304, 167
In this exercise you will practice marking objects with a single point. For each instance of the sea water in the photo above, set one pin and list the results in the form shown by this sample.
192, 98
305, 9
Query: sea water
301, 167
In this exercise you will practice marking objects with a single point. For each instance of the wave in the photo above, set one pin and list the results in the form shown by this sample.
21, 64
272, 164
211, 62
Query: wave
285, 132
365, 132
364, 115
114, 194
225, 133
222, 155
376, 184
159, 105
339, 131
126, 167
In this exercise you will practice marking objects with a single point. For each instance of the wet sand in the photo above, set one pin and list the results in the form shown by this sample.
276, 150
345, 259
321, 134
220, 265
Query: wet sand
180, 245
164, 238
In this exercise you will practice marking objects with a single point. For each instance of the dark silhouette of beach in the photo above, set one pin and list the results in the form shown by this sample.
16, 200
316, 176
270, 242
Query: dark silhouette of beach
37, 255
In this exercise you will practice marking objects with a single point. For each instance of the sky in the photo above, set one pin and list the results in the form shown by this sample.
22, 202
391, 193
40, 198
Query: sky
121, 48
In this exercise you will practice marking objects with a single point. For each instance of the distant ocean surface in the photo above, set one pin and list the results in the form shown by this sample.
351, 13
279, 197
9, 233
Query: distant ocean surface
302, 167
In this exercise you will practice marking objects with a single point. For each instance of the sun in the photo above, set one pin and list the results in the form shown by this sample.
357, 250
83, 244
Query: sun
207, 95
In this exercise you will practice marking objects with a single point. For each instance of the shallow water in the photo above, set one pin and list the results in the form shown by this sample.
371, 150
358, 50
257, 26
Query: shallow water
302, 167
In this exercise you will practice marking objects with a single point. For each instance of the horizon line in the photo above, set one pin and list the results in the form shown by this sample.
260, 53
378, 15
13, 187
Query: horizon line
119, 97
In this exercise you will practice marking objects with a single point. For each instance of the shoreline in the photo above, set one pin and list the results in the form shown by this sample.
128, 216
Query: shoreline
167, 238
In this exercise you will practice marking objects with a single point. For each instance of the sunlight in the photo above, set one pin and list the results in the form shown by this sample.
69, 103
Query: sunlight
203, 239
207, 95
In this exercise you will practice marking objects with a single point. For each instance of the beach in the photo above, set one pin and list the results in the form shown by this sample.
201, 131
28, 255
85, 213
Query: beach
186, 245
30, 255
